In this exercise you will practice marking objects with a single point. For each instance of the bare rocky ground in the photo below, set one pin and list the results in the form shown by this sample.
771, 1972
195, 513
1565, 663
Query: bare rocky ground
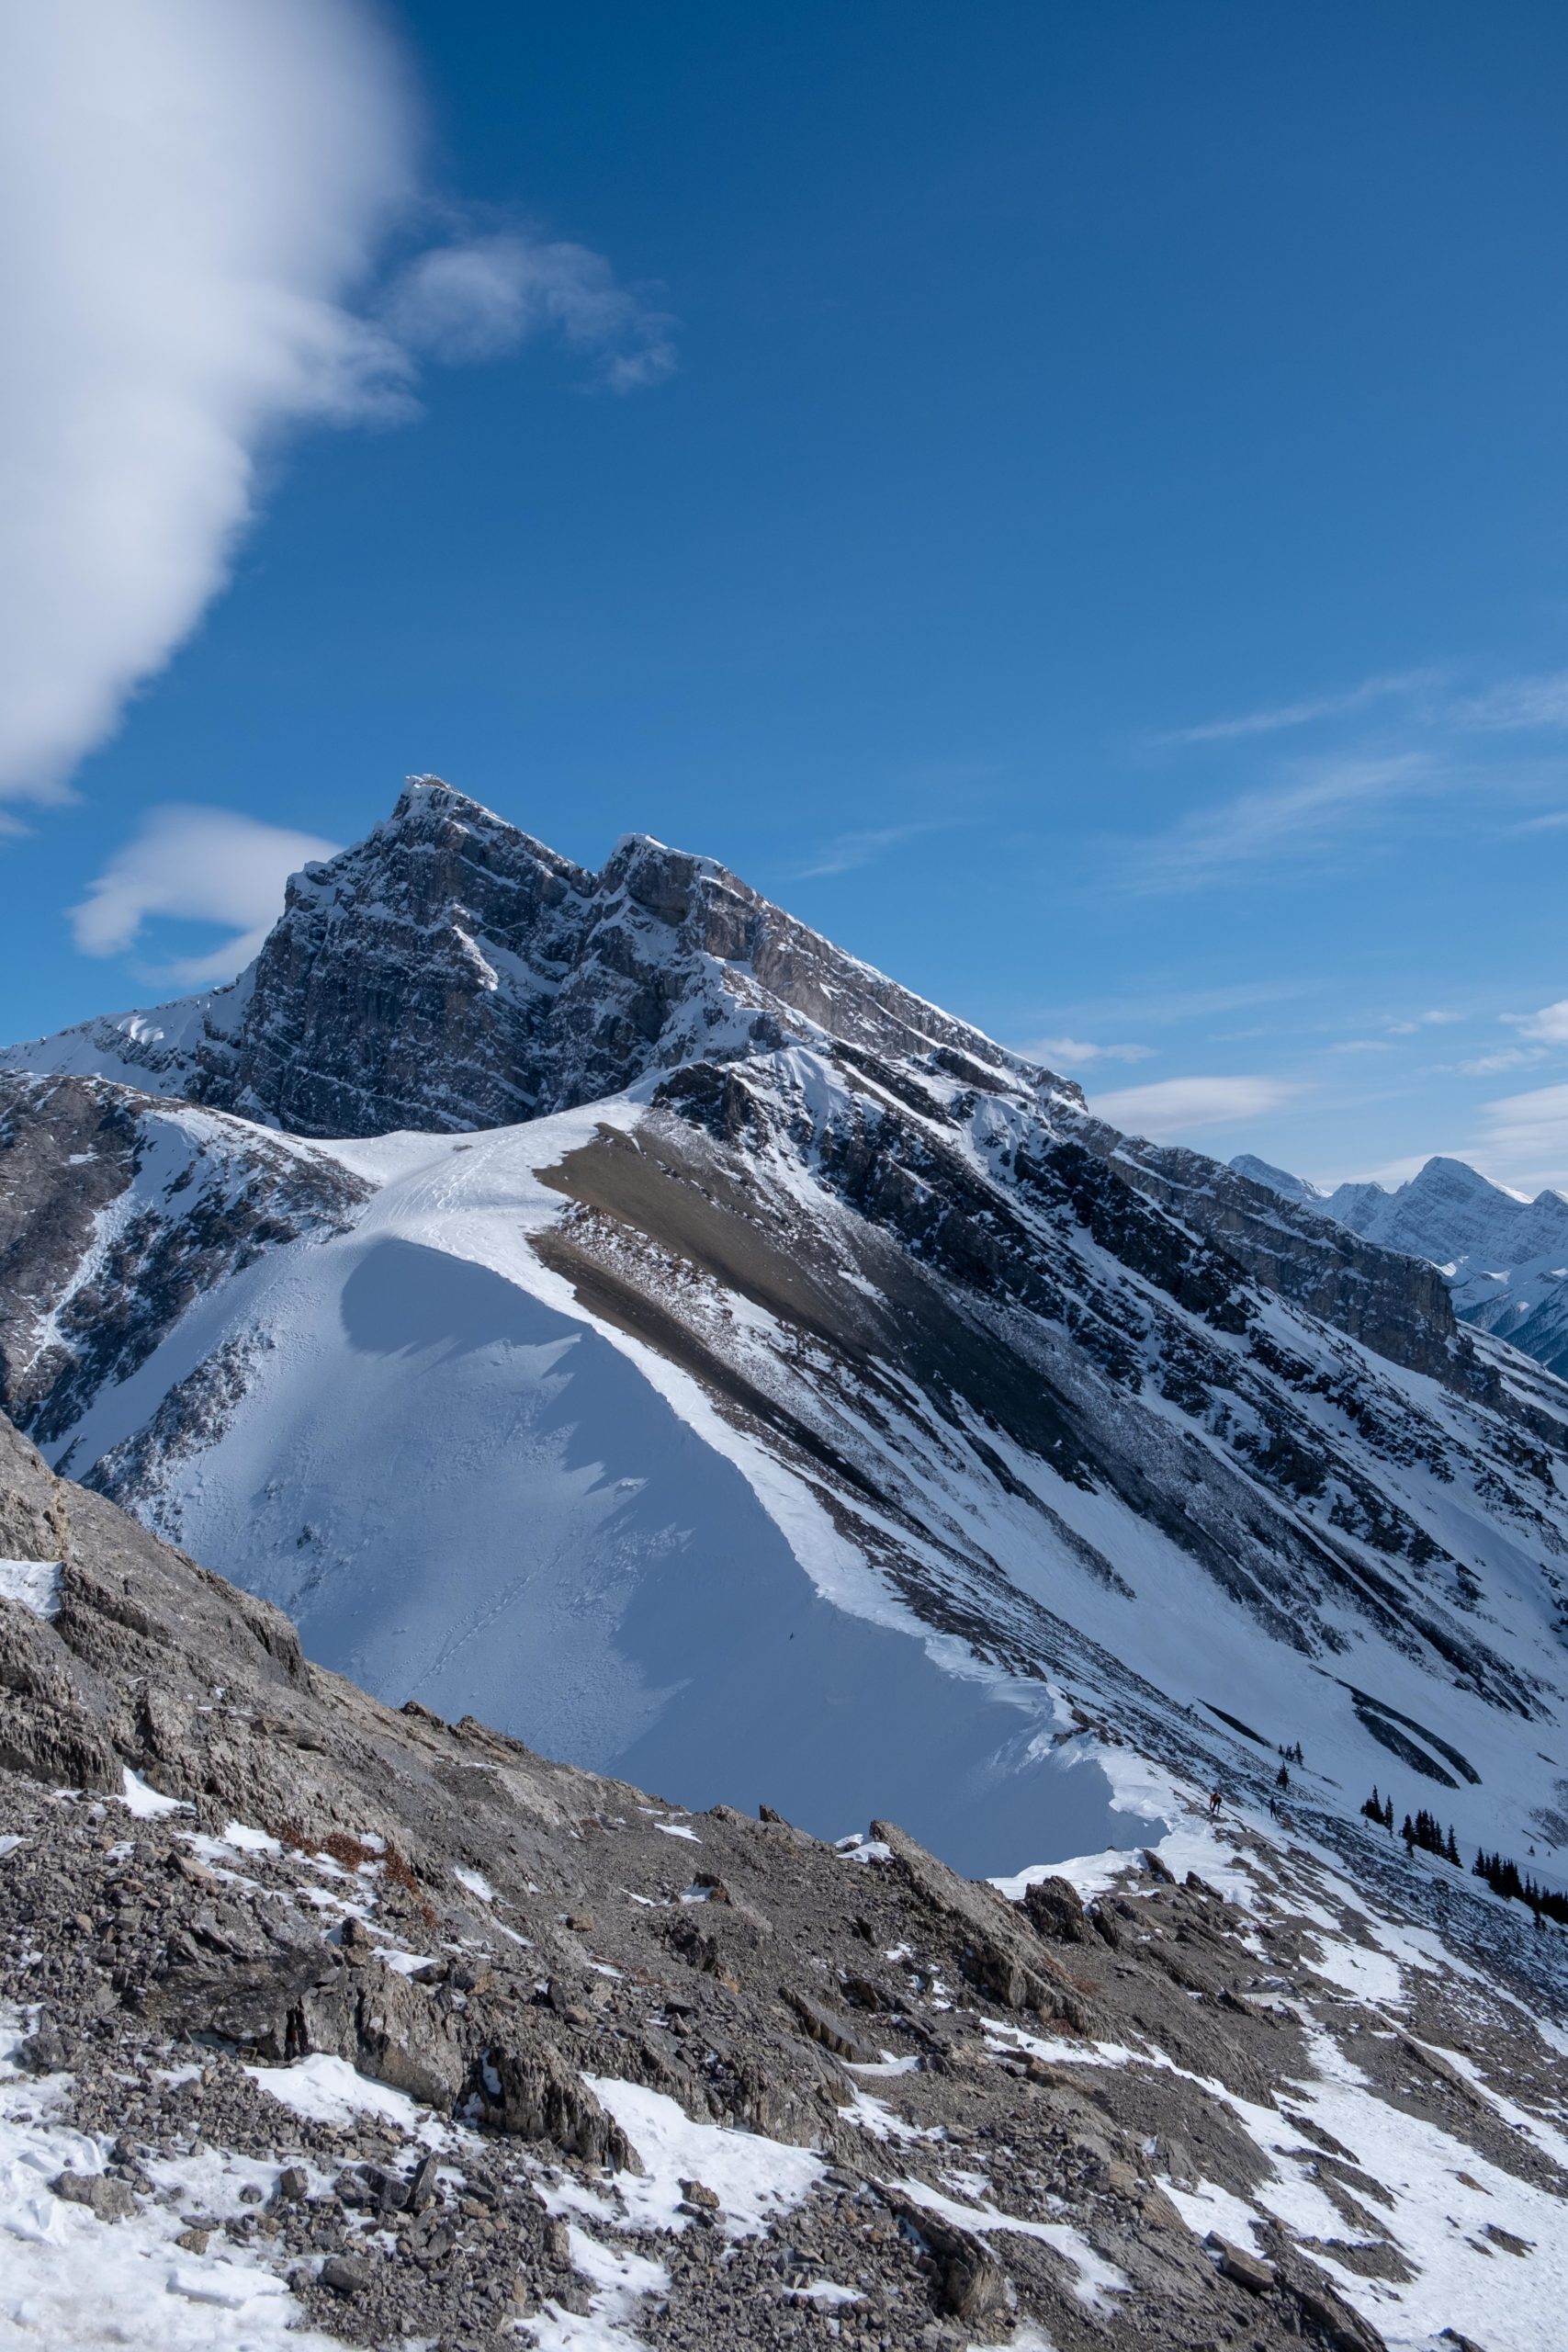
622, 2074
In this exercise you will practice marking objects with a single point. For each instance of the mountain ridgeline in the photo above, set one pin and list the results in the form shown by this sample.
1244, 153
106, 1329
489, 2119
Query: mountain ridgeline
1503, 1257
596, 1303
449, 972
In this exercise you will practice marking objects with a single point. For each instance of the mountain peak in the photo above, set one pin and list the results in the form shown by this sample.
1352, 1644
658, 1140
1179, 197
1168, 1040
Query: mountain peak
451, 971
1457, 1175
1276, 1180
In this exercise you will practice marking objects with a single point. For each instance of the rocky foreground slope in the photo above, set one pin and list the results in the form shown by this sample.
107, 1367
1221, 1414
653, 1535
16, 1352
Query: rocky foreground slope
328, 2023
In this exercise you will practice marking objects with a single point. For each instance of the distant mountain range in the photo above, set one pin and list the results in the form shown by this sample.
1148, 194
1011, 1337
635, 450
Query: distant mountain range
1503, 1256
594, 1302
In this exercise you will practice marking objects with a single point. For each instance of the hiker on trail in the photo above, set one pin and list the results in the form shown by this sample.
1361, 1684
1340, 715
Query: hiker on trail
1213, 1802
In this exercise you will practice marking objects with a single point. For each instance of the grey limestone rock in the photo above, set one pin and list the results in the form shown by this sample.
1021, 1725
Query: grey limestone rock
109, 2200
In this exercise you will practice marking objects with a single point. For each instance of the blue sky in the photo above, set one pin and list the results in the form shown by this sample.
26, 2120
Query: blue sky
1068, 498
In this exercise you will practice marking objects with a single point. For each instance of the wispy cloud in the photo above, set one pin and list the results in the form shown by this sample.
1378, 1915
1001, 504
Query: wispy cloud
1311, 810
1494, 1065
1398, 737
1281, 717
1533, 700
1437, 1018
480, 300
196, 198
209, 866
1527, 1137
1076, 1052
1176, 1106
1515, 704
844, 853
1542, 1034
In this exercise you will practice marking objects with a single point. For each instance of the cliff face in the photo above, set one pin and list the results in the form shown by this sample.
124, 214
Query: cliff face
1399, 1306
119, 1213
450, 972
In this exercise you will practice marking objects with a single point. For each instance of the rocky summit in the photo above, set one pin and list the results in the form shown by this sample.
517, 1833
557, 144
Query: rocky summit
331, 2023
451, 972
591, 1316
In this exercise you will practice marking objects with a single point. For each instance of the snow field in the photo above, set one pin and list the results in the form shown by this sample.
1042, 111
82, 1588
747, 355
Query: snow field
68, 2280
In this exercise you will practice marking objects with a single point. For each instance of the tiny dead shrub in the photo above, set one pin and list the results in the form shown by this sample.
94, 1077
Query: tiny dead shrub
400, 1873
350, 1851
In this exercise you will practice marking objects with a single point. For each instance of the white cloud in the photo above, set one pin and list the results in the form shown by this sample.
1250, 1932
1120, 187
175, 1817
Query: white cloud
1304, 713
1437, 1019
187, 188
1540, 1032
1173, 1106
1076, 1052
1311, 811
195, 196
199, 864
480, 300
1526, 1141
1547, 1028
846, 852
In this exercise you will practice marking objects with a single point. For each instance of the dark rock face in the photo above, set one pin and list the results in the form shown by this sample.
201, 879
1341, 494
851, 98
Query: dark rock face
115, 1215
1396, 1304
376, 1004
980, 1290
450, 972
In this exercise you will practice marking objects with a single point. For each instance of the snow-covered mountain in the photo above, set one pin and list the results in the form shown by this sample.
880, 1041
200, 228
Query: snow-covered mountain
1504, 1256
596, 1303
